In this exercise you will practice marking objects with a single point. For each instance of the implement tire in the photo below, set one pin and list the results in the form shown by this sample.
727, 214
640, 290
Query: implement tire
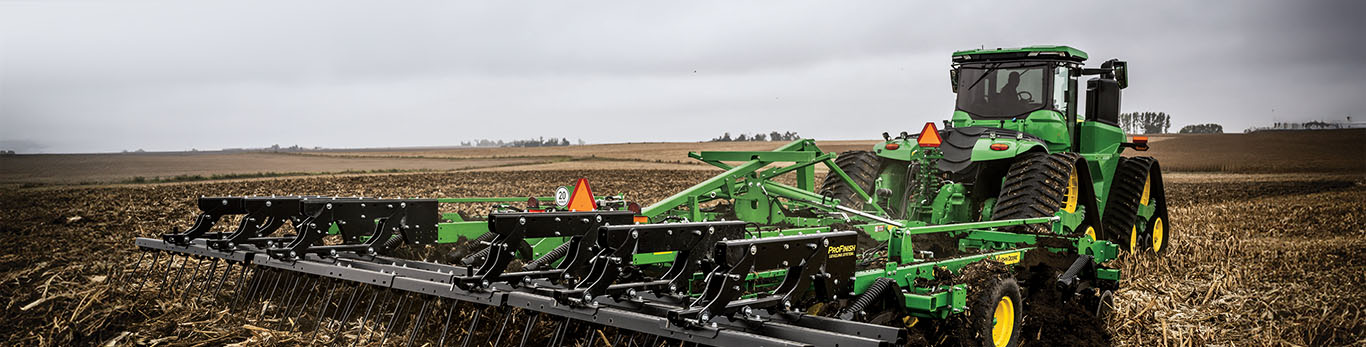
1037, 185
997, 314
863, 167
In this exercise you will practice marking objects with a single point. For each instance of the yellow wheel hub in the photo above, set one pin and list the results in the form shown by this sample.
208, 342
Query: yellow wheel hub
1073, 192
1133, 239
1003, 319
1158, 241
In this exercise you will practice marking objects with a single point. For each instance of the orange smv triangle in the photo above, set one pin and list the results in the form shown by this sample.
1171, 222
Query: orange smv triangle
929, 137
582, 198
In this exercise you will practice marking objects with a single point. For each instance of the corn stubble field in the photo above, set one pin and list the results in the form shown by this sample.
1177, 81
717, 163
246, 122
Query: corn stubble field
1265, 254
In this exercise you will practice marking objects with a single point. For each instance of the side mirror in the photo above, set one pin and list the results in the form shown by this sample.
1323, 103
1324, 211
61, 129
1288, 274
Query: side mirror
1119, 70
953, 80
1102, 100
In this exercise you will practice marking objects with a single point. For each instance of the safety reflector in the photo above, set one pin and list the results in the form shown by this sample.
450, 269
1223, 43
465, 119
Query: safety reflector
999, 146
1140, 140
642, 220
929, 137
893, 146
582, 198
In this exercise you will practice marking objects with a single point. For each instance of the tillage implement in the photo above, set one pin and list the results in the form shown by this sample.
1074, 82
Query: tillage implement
950, 232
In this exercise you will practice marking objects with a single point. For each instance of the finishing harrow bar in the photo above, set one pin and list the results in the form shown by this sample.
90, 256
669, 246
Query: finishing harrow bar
592, 281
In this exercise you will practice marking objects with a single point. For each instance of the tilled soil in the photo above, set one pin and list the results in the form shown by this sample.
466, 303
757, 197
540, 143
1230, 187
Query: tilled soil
1277, 262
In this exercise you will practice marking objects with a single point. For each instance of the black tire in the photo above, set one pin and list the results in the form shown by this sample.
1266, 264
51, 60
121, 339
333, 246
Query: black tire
984, 308
1036, 185
1121, 208
863, 167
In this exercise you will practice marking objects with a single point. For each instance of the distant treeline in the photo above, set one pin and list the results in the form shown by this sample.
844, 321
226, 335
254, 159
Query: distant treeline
536, 142
772, 136
1145, 122
1208, 128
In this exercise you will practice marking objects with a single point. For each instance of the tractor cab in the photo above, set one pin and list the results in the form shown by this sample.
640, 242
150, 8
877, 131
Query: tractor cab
1032, 90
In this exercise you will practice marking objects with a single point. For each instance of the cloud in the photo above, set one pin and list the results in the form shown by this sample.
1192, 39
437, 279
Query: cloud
89, 76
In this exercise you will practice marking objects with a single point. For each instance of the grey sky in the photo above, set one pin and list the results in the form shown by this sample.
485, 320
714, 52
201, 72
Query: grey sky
101, 76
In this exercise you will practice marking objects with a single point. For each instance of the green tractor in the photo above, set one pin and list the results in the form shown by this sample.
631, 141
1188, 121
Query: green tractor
1018, 146
1020, 202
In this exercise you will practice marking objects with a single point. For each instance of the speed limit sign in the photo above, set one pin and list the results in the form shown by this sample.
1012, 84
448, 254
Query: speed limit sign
562, 197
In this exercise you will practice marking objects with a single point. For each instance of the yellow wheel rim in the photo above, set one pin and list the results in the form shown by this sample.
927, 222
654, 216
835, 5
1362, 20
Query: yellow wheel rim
1091, 233
1147, 188
1158, 241
1073, 192
1133, 239
1003, 325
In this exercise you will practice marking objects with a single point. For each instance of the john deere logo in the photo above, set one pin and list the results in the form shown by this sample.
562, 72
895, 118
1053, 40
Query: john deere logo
1009, 258
837, 251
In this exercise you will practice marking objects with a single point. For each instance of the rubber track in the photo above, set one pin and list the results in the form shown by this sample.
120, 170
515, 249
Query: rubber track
861, 166
1035, 186
1121, 210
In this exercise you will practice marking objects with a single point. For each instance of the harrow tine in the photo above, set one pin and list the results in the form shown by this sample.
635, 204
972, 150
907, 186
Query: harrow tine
197, 266
506, 317
289, 304
269, 299
445, 327
469, 333
169, 264
153, 267
227, 271
122, 273
351, 302
322, 310
208, 278
304, 305
417, 324
364, 318
241, 293
393, 320
530, 323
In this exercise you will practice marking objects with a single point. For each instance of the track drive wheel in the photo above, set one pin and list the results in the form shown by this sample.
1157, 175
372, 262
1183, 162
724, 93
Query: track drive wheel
863, 167
1039, 185
997, 314
1138, 184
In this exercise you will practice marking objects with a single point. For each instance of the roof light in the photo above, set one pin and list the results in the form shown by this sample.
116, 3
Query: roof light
929, 136
999, 146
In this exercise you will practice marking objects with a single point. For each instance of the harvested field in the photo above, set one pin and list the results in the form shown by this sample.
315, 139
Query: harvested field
1260, 259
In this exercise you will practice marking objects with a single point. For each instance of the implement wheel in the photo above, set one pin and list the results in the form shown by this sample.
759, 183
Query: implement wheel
1039, 185
998, 314
863, 167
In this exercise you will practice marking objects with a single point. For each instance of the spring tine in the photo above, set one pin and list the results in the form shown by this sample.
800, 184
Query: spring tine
417, 323
270, 298
322, 310
167, 278
189, 281
257, 277
208, 279
153, 266
469, 333
227, 271
184, 262
530, 323
351, 303
304, 305
293, 294
121, 274
559, 329
245, 291
367, 314
395, 318
445, 327
506, 317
